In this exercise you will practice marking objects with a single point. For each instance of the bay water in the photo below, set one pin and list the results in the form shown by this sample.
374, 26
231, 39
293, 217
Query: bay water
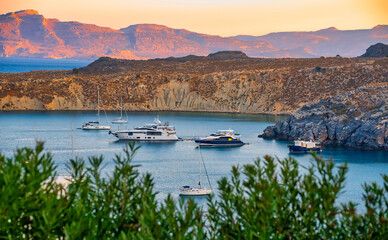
171, 164
16, 65
175, 163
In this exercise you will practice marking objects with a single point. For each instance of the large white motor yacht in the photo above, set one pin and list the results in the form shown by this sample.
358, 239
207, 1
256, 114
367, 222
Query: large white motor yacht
149, 132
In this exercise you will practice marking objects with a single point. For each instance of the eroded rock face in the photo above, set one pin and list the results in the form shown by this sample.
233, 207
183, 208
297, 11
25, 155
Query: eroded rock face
358, 118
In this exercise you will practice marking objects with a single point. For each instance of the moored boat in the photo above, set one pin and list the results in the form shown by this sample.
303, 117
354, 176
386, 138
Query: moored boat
221, 138
148, 132
190, 191
197, 191
301, 146
95, 125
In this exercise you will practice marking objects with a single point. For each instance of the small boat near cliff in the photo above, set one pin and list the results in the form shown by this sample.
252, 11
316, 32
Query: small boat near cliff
301, 146
149, 132
221, 138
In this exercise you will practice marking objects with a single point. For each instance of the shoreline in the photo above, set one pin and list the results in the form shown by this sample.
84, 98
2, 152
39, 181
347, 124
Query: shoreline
147, 111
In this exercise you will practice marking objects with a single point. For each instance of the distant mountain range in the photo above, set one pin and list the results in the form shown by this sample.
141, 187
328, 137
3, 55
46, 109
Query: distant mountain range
28, 34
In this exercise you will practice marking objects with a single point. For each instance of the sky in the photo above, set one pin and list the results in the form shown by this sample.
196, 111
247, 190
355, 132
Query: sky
218, 17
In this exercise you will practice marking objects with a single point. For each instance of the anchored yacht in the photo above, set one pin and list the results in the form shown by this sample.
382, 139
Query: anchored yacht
149, 132
221, 138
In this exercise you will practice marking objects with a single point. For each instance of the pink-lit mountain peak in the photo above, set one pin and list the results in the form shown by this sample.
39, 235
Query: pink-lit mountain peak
28, 34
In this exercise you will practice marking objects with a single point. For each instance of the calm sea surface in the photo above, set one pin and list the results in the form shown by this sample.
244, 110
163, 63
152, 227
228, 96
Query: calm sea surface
171, 164
9, 65
175, 164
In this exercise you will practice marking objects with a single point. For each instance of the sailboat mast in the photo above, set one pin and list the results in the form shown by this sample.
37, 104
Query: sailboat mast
200, 175
72, 141
98, 104
121, 110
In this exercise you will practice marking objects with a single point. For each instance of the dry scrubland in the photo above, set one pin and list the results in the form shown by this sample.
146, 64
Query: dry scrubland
192, 84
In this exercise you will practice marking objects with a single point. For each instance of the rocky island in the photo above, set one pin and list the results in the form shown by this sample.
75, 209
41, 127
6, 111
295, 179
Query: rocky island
358, 118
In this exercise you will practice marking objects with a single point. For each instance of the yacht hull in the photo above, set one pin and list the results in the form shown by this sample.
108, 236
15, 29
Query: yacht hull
215, 143
196, 192
119, 121
299, 149
142, 136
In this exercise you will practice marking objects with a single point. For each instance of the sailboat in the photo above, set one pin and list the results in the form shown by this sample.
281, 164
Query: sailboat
95, 125
120, 119
197, 191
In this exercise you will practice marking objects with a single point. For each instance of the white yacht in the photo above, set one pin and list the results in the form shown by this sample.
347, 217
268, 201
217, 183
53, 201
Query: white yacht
149, 132
95, 125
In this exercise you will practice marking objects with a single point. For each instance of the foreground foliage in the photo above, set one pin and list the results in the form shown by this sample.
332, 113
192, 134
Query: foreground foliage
270, 199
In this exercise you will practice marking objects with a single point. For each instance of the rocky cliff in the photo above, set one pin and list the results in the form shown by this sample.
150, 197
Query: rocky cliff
227, 82
358, 118
28, 34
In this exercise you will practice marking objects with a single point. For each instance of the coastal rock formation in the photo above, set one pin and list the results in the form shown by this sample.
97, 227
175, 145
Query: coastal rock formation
28, 34
358, 118
277, 86
378, 50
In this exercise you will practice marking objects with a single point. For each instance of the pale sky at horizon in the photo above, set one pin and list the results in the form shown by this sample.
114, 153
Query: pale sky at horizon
218, 17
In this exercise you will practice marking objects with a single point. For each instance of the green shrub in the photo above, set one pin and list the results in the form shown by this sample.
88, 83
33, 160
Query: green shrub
270, 199
76, 70
318, 69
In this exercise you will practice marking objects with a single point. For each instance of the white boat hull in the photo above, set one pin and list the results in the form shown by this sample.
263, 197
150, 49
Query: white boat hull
96, 127
195, 192
124, 135
119, 121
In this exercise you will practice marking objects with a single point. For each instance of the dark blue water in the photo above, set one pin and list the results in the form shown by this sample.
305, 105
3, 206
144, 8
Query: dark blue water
9, 65
176, 164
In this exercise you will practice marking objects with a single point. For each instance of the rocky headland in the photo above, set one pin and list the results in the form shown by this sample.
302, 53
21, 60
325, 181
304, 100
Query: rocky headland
358, 118
222, 82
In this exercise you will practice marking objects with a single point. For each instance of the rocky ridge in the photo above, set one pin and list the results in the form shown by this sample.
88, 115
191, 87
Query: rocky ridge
250, 85
358, 118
